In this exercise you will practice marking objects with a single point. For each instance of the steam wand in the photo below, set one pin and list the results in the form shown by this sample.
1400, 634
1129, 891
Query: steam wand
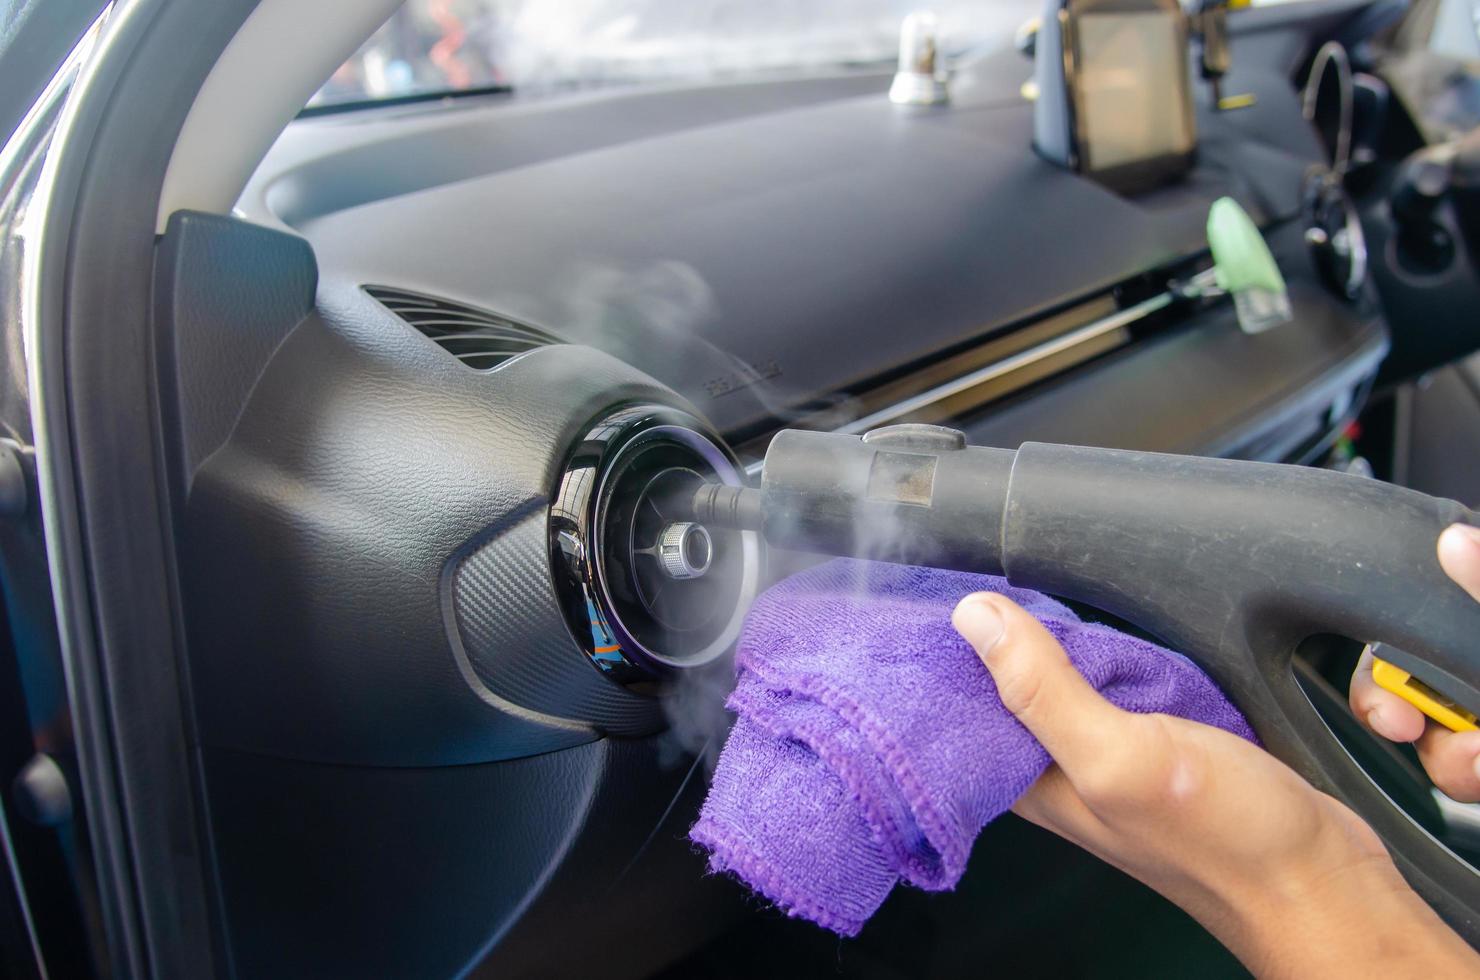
1232, 562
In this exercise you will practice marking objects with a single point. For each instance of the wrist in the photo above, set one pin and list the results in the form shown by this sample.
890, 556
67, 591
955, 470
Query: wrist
1356, 919
1302, 915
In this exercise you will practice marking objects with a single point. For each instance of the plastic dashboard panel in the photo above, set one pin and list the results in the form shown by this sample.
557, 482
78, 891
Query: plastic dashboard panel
381, 799
371, 871
320, 540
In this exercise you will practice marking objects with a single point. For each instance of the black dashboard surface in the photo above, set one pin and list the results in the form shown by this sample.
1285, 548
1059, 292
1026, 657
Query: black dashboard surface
797, 242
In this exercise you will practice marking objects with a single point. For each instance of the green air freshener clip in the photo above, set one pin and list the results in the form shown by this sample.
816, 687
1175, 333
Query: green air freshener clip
1245, 268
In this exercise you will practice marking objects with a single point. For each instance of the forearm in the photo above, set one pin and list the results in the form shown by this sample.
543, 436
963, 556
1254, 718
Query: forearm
1366, 922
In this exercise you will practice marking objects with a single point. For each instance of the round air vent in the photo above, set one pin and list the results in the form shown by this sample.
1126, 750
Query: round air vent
646, 589
1333, 230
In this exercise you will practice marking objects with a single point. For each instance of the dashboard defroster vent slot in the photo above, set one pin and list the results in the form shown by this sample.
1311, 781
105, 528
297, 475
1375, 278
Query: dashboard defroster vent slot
478, 338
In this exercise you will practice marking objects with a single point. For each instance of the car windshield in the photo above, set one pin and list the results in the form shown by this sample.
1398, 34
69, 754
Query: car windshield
436, 46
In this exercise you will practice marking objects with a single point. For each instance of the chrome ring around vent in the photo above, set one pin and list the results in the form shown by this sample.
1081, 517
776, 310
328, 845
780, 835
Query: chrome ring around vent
633, 618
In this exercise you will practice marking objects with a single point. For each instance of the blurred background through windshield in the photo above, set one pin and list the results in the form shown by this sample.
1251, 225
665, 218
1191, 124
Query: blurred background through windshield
431, 46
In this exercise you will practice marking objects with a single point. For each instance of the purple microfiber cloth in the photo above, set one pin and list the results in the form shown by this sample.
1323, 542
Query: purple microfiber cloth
870, 744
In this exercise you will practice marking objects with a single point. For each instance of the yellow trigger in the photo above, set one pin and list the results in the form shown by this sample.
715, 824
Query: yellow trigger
1393, 678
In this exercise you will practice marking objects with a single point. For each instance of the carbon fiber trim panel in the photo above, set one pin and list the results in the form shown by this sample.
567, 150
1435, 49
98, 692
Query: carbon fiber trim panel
516, 641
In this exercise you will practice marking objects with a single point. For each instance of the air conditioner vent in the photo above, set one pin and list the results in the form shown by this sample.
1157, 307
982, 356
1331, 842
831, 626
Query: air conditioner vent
478, 338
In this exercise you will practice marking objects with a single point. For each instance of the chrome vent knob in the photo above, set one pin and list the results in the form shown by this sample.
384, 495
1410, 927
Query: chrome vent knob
685, 550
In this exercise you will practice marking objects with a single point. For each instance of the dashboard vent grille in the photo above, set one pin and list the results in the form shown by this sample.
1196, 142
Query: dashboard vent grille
478, 338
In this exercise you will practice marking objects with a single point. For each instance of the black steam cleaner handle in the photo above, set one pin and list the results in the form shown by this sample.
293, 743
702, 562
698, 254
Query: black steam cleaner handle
1232, 563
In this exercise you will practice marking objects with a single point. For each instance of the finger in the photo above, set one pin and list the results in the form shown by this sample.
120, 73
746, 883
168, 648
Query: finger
1382, 711
1459, 555
1450, 759
1036, 681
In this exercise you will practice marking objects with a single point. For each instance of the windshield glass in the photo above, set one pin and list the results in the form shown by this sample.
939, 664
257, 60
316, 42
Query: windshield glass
434, 46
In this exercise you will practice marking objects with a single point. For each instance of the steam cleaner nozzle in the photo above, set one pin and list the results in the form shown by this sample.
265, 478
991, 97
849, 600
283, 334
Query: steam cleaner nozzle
721, 506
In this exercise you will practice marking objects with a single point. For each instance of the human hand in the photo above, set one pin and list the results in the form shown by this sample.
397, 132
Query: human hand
1214, 823
1452, 759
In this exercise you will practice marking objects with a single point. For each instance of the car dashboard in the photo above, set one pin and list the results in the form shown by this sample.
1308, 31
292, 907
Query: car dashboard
456, 312
805, 252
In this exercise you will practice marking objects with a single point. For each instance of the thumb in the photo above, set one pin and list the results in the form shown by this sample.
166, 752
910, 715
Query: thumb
1459, 555
1035, 679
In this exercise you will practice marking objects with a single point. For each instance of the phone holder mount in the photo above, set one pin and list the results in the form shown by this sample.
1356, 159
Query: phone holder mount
1086, 119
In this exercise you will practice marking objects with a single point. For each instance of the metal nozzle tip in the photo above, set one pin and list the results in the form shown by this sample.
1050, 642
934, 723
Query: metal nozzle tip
719, 505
